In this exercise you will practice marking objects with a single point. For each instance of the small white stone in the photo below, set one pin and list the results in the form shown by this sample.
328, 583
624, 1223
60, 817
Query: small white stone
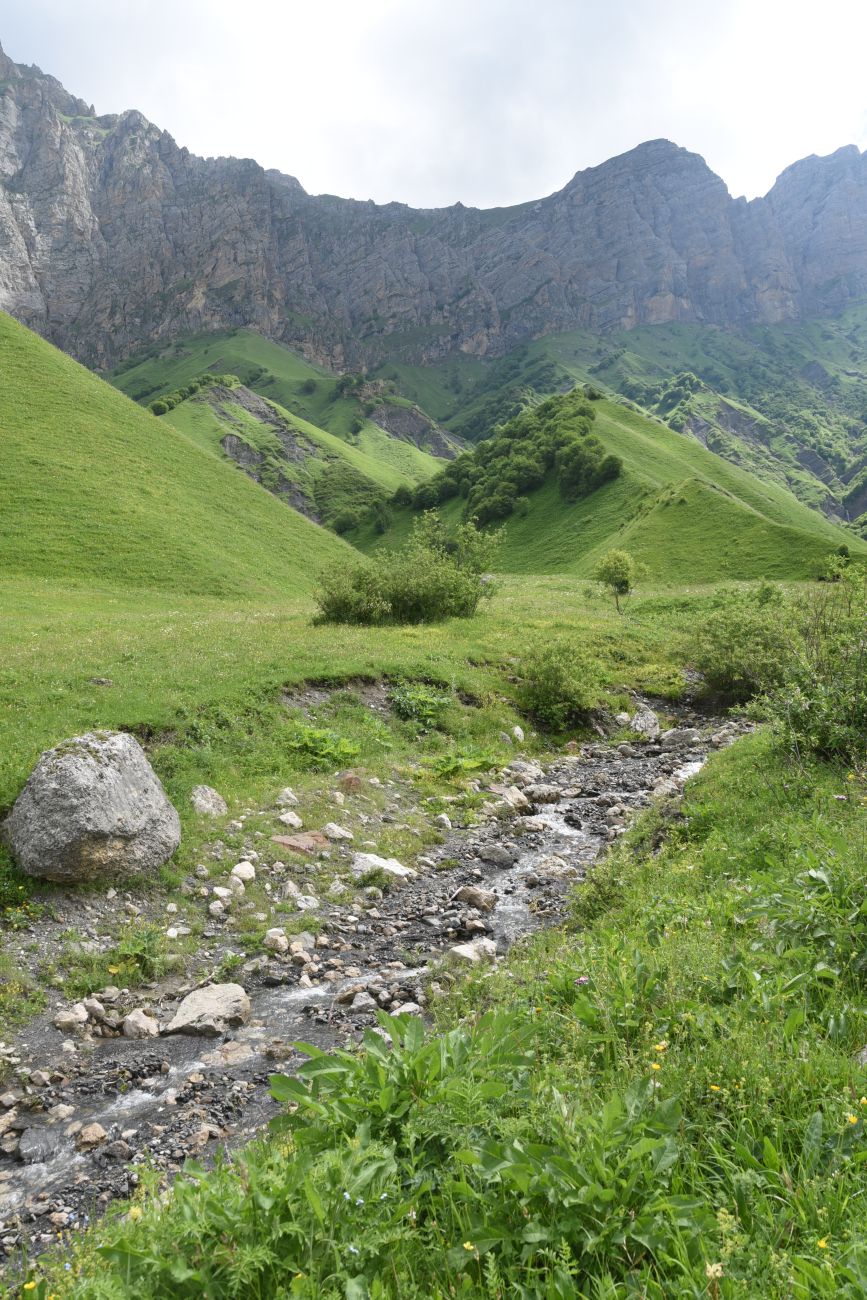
335, 832
244, 871
291, 819
275, 940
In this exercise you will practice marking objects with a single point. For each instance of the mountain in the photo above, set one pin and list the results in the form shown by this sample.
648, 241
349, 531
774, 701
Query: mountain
94, 490
686, 514
113, 236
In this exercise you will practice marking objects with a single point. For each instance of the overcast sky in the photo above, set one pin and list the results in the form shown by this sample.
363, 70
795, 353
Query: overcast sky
486, 101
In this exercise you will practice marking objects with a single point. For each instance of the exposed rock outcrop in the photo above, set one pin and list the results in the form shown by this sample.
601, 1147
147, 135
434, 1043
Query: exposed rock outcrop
91, 203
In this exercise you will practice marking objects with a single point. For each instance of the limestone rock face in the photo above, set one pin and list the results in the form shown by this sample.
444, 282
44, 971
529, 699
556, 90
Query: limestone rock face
93, 808
88, 202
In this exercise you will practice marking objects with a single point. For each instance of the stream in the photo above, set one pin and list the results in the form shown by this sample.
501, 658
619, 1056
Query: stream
166, 1099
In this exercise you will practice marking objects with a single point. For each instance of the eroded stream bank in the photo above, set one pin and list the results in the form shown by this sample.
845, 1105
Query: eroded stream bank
165, 1099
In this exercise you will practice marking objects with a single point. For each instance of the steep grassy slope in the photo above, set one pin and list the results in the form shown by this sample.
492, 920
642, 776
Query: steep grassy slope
315, 471
93, 489
310, 392
687, 514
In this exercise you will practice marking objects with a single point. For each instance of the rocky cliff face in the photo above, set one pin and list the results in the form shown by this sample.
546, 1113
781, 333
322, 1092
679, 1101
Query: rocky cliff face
111, 236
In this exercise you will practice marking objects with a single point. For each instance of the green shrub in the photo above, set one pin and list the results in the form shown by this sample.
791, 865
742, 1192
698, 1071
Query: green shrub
345, 520
818, 701
617, 571
558, 682
741, 647
431, 578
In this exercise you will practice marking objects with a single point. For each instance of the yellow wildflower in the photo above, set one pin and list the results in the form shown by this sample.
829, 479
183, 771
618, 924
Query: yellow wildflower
660, 1047
822, 1243
468, 1245
714, 1087
654, 1065
853, 1119
29, 1286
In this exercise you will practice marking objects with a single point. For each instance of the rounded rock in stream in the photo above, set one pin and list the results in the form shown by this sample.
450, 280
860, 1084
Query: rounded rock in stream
211, 1011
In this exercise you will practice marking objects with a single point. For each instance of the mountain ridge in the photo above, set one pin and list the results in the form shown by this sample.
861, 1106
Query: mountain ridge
112, 236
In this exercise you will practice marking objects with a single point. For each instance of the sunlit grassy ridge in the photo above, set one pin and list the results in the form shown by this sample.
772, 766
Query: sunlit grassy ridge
332, 473
95, 490
687, 514
787, 401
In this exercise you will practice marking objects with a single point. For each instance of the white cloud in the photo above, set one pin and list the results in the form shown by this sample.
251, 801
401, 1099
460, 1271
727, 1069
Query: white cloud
487, 101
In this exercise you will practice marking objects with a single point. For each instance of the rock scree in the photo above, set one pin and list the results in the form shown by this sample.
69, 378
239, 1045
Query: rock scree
93, 808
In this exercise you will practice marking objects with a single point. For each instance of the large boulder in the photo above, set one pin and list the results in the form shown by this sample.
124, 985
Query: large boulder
211, 1011
93, 808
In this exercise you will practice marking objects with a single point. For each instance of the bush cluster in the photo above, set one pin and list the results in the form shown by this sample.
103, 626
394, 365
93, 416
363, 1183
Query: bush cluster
558, 682
554, 437
168, 401
741, 647
802, 659
429, 579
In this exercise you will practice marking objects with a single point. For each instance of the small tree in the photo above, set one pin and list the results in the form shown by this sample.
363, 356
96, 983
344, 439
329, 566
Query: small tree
617, 571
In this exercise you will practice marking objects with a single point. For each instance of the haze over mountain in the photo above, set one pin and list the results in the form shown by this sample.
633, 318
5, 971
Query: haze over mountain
113, 236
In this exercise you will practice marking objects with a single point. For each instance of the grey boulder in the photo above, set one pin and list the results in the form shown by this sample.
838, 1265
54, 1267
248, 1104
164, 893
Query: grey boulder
645, 722
211, 1011
207, 801
680, 738
92, 808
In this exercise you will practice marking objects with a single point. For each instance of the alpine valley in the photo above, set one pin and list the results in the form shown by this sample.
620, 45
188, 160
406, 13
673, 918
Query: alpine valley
432, 669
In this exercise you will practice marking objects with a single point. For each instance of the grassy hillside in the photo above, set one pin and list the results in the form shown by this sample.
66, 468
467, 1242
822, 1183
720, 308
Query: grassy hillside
95, 490
788, 402
312, 393
687, 514
316, 471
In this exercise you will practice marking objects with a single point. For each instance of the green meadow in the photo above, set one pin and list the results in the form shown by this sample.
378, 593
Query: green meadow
662, 1098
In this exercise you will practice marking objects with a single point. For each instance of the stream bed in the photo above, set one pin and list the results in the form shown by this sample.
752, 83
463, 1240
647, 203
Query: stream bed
167, 1099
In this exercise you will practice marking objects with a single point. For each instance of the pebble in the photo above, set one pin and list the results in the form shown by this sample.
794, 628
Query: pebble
90, 1137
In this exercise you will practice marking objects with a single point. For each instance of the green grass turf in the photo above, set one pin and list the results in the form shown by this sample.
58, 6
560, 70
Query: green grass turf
95, 490
174, 660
